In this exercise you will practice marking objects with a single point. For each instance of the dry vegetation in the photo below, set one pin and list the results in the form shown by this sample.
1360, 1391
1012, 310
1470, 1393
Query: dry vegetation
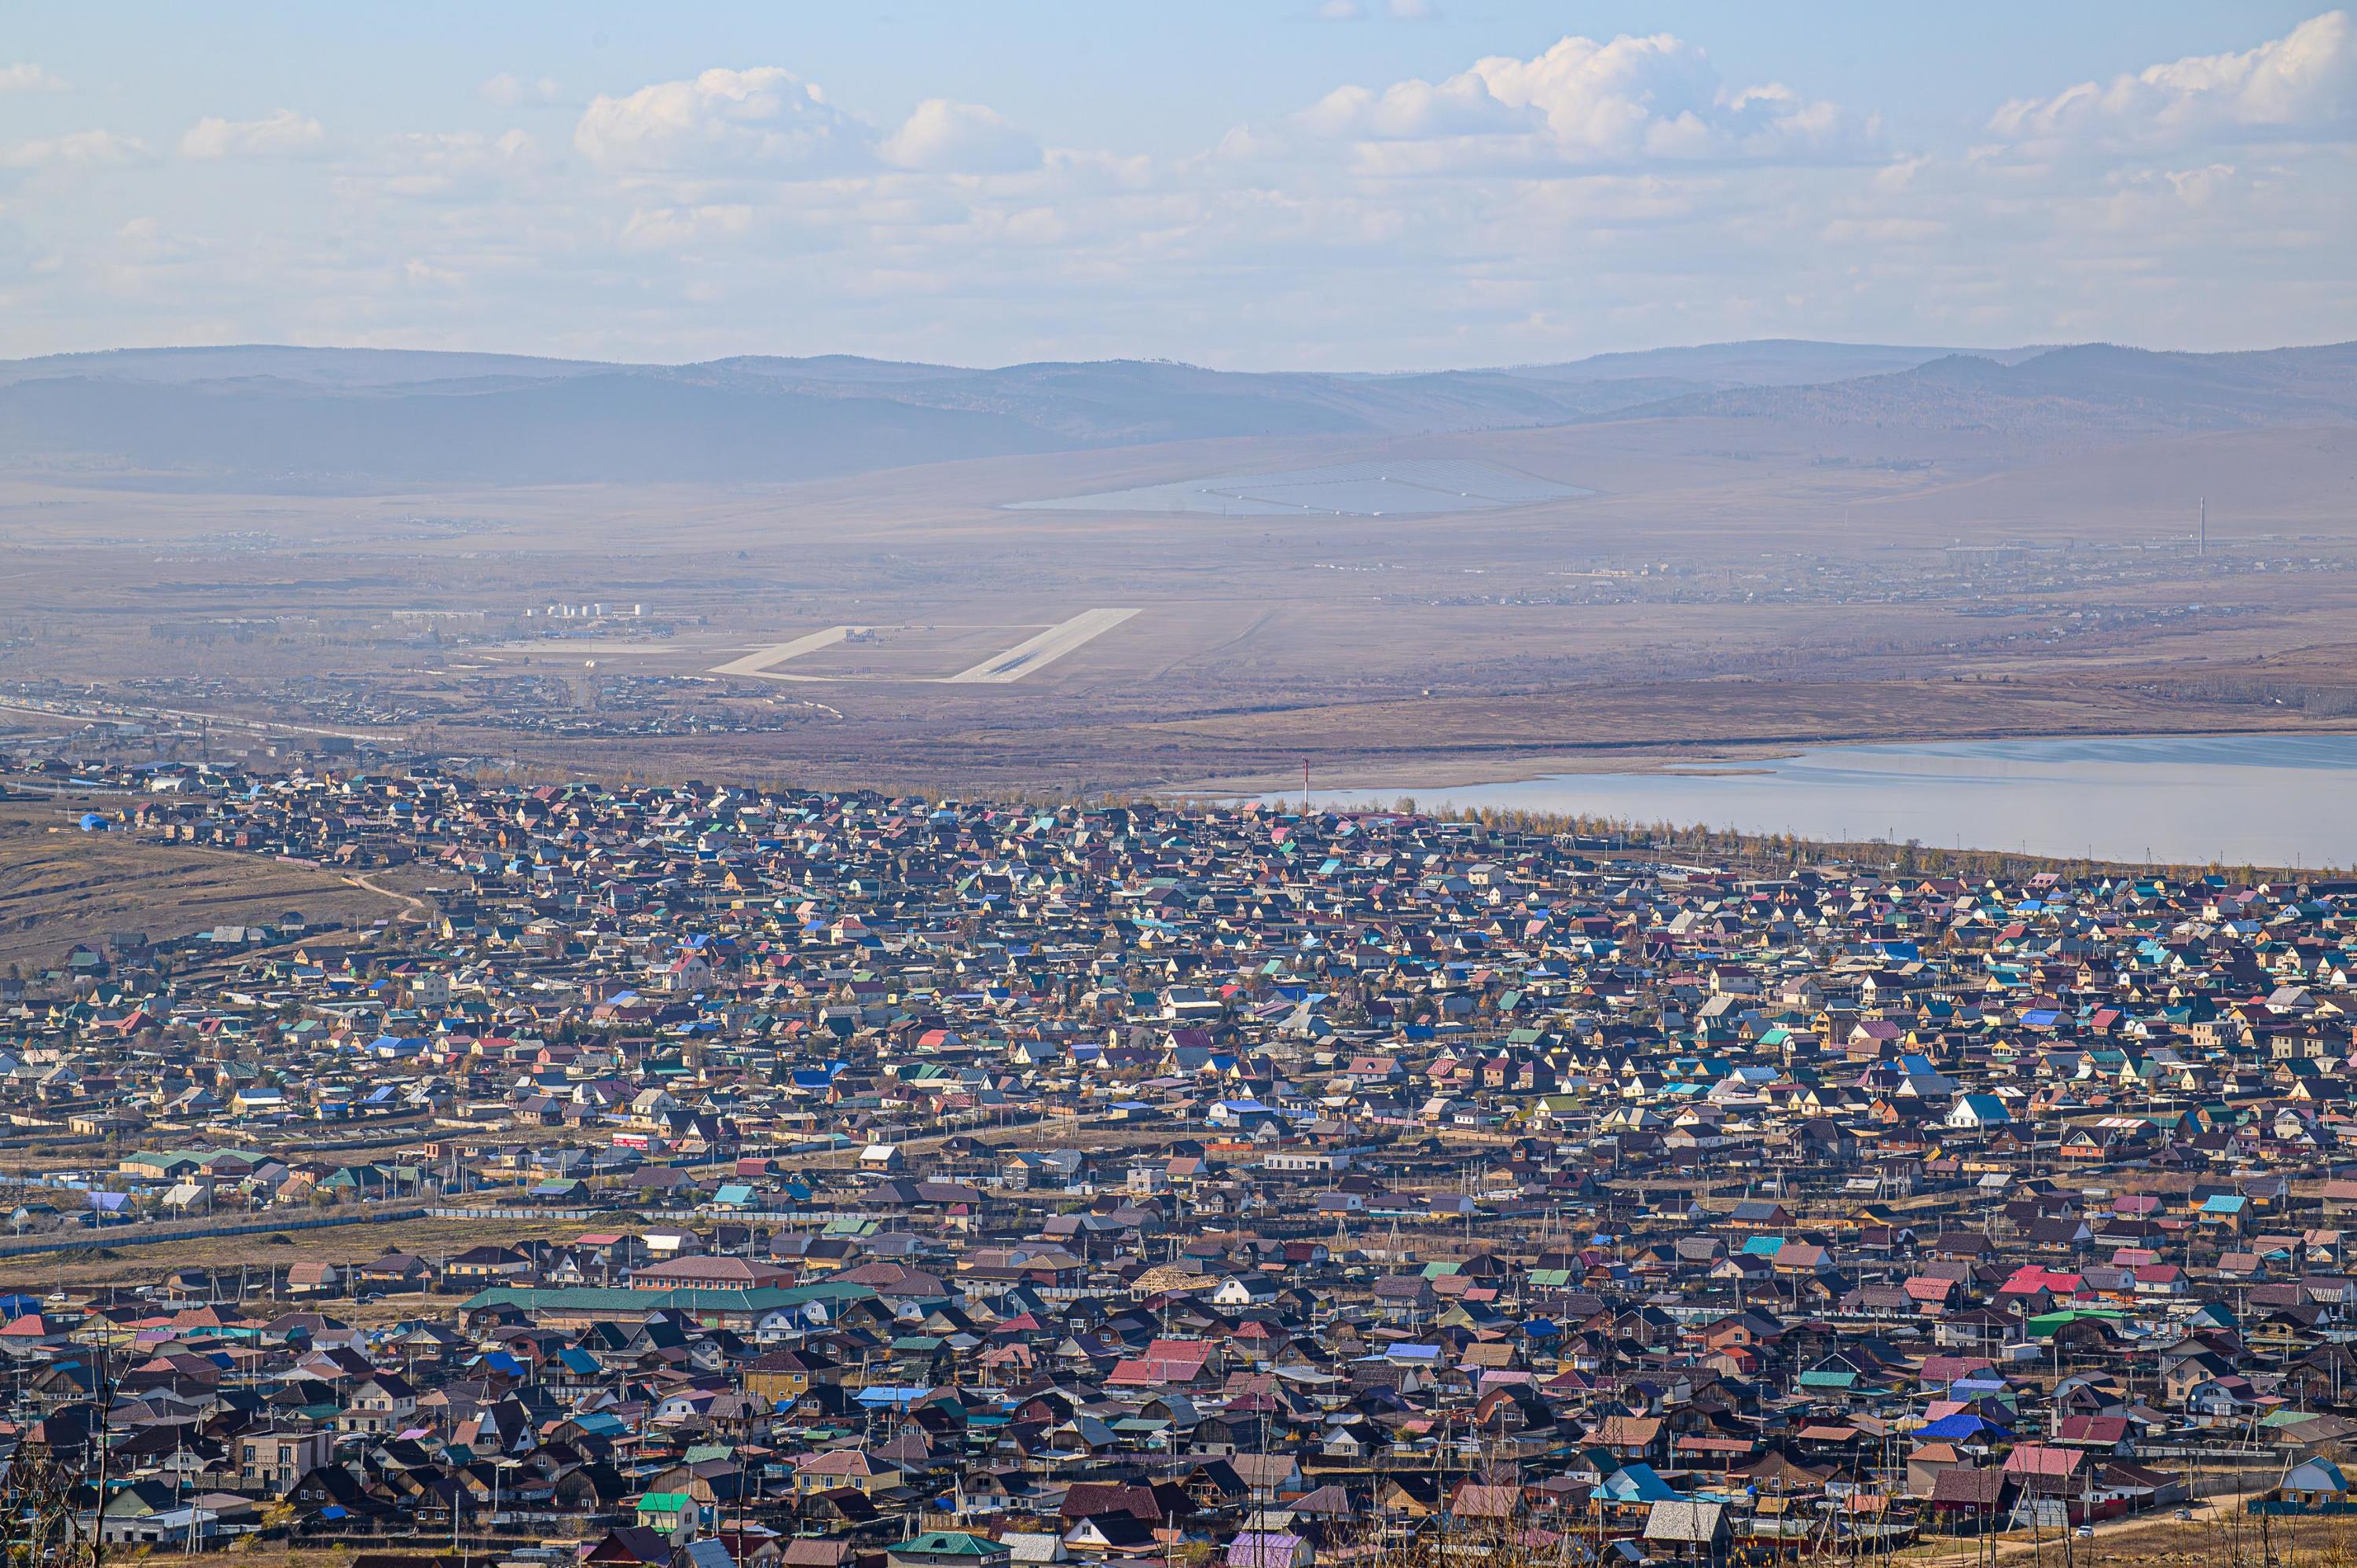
60, 885
108, 1262
1723, 556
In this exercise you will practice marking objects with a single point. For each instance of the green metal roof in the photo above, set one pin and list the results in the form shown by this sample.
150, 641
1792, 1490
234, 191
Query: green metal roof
951, 1543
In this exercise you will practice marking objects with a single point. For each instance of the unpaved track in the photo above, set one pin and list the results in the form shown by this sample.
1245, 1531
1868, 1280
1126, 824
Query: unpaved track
416, 907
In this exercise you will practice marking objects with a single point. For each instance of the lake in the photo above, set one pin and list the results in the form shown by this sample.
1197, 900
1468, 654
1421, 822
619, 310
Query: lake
2262, 800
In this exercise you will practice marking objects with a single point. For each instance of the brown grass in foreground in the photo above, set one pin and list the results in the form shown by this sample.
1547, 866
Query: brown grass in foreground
60, 885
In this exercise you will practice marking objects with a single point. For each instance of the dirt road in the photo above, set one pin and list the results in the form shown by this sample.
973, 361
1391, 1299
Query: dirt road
414, 910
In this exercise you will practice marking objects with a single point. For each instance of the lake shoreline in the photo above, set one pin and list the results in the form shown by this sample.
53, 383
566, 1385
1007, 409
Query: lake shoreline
2263, 798
1439, 772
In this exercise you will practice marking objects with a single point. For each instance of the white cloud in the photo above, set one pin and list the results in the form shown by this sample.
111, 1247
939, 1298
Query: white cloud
944, 136
1339, 11
77, 149
453, 163
1414, 109
765, 118
25, 77
145, 241
684, 228
1100, 174
2301, 86
1594, 194
284, 134
2202, 187
508, 91
418, 273
1586, 103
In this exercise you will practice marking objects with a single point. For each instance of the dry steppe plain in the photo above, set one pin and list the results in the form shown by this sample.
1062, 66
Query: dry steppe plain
1735, 585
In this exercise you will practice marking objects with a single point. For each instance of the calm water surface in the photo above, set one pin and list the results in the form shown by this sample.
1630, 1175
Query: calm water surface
2268, 799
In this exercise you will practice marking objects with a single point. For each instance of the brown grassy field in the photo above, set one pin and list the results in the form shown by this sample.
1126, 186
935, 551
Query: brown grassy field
60, 885
1734, 583
133, 1265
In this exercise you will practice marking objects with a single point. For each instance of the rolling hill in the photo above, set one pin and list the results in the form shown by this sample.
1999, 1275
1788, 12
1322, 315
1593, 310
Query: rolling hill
265, 415
2097, 387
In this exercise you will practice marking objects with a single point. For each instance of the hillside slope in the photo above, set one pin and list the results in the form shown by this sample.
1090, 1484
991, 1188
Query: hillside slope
265, 415
2094, 387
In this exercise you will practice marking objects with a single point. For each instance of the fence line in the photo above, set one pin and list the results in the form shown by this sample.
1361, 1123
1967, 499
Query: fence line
149, 1234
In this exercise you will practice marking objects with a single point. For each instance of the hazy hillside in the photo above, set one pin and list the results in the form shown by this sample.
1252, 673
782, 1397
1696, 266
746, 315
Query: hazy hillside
274, 411
262, 413
320, 367
613, 427
1126, 402
2093, 386
1765, 362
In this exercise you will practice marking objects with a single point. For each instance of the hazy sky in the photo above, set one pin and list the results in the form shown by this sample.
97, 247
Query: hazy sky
1339, 184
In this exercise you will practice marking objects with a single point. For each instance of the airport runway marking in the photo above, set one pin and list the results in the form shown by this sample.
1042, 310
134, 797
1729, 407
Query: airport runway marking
762, 662
1035, 652
1041, 651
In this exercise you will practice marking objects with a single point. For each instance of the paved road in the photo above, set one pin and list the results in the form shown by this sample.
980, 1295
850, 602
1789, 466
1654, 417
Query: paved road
762, 662
1039, 651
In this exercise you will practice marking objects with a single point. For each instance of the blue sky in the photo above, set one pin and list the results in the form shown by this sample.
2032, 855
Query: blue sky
1368, 184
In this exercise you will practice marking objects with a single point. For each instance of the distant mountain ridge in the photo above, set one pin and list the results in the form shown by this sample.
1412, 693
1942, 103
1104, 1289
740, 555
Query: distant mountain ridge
405, 415
2098, 387
347, 367
268, 413
1762, 362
